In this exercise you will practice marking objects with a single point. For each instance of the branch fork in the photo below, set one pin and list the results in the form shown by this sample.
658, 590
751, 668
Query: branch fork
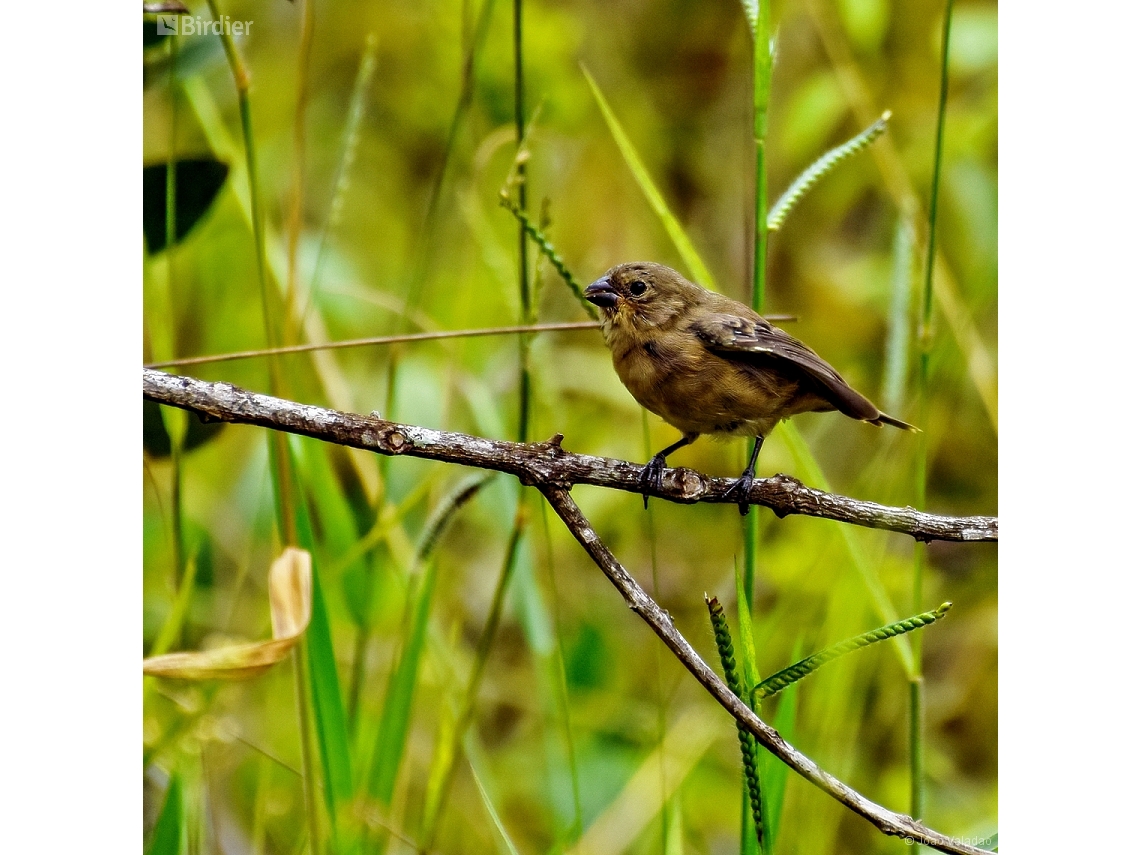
553, 471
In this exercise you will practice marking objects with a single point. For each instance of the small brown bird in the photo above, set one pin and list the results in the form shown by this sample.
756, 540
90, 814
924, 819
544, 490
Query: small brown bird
708, 364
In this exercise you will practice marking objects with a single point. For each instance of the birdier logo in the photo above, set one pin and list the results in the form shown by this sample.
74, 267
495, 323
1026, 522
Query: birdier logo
185, 25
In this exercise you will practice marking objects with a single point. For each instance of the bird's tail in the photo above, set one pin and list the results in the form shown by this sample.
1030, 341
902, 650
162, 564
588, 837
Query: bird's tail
884, 419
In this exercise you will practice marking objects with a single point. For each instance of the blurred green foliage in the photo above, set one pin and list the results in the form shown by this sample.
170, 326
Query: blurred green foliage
576, 693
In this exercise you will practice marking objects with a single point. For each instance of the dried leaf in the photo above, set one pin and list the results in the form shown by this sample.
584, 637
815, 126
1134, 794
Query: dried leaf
291, 604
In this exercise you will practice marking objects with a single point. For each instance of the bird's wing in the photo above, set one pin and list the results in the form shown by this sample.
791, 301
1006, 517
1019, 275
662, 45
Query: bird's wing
757, 342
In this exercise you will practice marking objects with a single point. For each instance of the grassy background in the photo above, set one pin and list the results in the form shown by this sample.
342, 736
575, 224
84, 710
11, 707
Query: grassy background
576, 695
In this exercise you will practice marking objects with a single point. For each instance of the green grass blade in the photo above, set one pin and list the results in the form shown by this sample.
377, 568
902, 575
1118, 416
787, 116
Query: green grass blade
172, 627
674, 826
696, 268
926, 348
343, 516
330, 721
395, 719
761, 96
507, 844
557, 669
804, 667
168, 837
885, 610
747, 645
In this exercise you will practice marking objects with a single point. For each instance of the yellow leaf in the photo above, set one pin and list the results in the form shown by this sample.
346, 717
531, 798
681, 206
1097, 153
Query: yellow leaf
290, 603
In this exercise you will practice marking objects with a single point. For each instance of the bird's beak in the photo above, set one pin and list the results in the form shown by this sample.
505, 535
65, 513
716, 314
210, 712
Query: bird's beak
602, 293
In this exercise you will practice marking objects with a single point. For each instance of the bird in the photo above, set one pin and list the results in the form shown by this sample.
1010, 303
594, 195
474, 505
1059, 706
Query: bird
708, 364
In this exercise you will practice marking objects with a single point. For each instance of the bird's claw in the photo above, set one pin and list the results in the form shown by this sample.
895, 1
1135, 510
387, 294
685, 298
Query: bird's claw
741, 489
651, 477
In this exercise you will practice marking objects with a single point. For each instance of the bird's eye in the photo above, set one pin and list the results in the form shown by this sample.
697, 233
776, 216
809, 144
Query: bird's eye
637, 288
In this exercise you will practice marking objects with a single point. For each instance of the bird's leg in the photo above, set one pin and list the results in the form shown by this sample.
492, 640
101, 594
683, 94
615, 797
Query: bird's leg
651, 474
743, 485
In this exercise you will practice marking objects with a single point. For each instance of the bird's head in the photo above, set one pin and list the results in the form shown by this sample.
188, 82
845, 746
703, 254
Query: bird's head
642, 295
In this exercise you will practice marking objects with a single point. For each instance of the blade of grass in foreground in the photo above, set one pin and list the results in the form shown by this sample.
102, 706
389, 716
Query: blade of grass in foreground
926, 347
392, 734
506, 843
330, 722
881, 601
688, 252
168, 836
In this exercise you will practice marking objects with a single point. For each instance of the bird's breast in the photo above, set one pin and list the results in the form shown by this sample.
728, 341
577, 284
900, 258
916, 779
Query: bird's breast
697, 391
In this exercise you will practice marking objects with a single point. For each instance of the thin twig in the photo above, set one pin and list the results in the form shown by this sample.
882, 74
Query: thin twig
378, 340
888, 822
544, 463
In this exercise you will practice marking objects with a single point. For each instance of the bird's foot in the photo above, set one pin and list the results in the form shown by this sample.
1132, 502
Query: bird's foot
741, 489
651, 477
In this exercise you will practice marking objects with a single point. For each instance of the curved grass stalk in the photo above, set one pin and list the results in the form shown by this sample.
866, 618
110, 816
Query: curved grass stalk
295, 220
812, 175
175, 424
445, 513
278, 451
749, 751
547, 249
793, 673
880, 599
761, 95
526, 297
282, 478
395, 719
926, 347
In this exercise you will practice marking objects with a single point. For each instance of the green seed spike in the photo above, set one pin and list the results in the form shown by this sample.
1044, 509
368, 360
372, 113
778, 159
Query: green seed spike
751, 13
749, 750
810, 176
439, 521
547, 248
783, 679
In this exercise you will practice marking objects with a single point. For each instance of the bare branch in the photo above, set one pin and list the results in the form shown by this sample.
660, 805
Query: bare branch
547, 466
888, 822
543, 464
